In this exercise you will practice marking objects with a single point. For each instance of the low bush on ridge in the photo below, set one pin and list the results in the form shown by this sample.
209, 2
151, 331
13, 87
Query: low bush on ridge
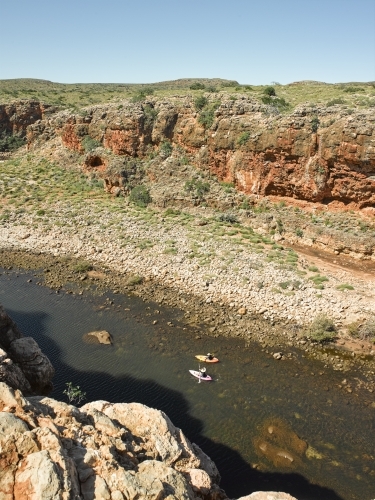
322, 329
140, 196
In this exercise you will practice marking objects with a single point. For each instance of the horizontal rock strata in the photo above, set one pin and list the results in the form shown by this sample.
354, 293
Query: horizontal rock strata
249, 144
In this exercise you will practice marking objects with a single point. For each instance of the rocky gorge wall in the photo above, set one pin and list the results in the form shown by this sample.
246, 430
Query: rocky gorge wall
317, 154
17, 116
124, 451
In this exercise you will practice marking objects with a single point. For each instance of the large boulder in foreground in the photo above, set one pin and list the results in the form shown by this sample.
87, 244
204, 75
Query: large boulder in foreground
50, 449
22, 364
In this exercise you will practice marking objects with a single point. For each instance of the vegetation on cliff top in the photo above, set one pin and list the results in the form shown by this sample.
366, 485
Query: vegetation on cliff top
359, 95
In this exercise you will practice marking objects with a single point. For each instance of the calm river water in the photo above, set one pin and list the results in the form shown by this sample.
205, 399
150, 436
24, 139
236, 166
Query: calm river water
247, 420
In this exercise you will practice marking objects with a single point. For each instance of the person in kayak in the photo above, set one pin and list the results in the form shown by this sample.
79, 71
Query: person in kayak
209, 356
203, 372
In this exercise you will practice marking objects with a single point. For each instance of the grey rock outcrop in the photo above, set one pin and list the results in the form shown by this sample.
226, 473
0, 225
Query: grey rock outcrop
50, 450
22, 364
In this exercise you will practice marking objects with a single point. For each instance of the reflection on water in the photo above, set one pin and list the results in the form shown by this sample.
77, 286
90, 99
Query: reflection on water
268, 425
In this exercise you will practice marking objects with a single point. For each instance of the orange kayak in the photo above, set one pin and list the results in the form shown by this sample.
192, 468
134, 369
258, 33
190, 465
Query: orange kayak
204, 358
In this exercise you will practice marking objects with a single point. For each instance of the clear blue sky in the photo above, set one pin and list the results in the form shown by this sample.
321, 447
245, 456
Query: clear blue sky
252, 41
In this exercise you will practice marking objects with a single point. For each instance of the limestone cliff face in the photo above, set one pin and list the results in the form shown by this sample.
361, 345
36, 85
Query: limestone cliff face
262, 152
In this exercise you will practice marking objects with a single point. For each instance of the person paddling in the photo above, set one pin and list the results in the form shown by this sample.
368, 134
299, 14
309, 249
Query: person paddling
203, 372
209, 356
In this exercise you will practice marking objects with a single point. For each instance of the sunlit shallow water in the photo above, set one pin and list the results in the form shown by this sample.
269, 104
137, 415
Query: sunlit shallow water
253, 420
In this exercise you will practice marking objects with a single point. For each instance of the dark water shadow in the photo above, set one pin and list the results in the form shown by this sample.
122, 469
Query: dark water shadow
173, 403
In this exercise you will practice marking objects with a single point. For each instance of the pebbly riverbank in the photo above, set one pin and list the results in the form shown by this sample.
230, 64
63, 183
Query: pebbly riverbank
222, 287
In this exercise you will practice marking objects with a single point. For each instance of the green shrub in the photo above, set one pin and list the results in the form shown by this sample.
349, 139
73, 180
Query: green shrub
278, 102
207, 115
313, 269
142, 94
200, 102
211, 89
338, 100
315, 123
74, 393
140, 196
345, 286
82, 267
245, 204
138, 97
299, 232
243, 138
197, 188
135, 280
270, 91
206, 118
166, 148
145, 244
231, 83
266, 99
228, 217
150, 115
9, 143
280, 226
352, 90
40, 212
322, 329
227, 186
197, 86
318, 281
89, 144
353, 328
171, 212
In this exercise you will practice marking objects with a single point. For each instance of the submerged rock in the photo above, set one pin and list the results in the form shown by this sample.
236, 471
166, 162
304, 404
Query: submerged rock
279, 444
102, 336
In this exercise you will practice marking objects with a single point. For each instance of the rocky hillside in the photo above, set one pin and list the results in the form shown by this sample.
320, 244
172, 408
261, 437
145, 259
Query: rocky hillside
318, 154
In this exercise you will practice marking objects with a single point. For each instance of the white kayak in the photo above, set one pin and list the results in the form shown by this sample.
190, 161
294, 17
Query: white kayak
199, 375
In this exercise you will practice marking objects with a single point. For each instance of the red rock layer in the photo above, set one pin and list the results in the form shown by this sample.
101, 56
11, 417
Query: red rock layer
279, 155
